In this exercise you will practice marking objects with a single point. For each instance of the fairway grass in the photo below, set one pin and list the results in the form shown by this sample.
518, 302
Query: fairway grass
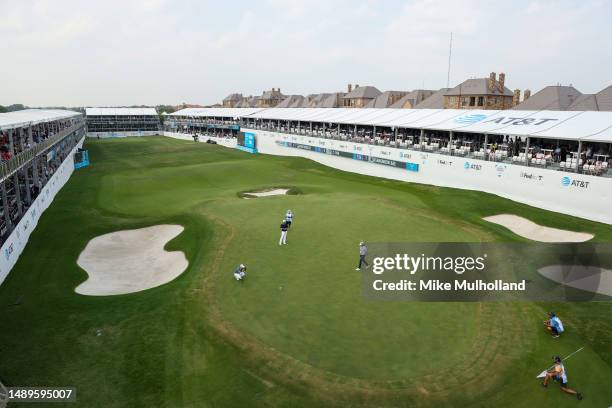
297, 332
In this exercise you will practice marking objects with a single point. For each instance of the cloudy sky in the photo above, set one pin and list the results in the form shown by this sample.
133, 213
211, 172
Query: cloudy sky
124, 52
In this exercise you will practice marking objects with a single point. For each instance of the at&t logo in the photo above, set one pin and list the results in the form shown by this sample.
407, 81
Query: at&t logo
569, 182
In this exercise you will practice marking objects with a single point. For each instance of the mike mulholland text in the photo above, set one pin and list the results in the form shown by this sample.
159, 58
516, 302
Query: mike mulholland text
437, 285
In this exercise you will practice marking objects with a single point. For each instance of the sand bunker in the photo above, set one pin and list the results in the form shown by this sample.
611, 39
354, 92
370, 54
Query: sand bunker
266, 193
130, 261
589, 278
530, 230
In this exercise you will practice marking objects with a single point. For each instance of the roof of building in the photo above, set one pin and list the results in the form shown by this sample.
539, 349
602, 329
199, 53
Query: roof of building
216, 112
233, 97
29, 117
363, 92
554, 97
247, 102
413, 97
291, 101
601, 101
477, 86
120, 112
434, 101
383, 100
272, 94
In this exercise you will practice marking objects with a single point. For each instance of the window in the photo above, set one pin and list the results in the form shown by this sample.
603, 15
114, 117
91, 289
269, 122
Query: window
472, 101
481, 101
463, 101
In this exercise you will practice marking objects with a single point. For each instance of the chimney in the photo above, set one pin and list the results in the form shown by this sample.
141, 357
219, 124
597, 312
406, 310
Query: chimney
516, 99
492, 81
279, 90
356, 86
350, 88
526, 94
502, 82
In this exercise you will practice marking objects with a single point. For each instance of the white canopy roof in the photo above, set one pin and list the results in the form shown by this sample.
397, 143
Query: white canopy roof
29, 117
567, 125
120, 112
216, 112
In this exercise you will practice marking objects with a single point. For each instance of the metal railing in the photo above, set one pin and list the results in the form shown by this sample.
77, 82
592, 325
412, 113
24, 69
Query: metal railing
9, 167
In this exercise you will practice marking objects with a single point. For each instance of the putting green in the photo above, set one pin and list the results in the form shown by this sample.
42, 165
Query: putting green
297, 332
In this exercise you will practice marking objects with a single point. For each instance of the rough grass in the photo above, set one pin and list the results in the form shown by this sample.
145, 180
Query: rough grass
297, 332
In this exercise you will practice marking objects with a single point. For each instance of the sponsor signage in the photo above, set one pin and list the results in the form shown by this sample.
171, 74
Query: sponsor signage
567, 181
472, 118
531, 176
355, 155
472, 166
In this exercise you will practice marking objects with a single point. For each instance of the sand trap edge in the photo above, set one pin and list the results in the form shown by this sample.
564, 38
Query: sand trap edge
528, 229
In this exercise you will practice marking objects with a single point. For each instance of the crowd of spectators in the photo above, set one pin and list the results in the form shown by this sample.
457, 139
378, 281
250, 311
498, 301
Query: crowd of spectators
594, 157
24, 186
22, 141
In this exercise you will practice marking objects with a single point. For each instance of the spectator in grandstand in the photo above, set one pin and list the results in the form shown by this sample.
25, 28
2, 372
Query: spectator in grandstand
283, 237
5, 154
558, 373
240, 272
554, 325
363, 251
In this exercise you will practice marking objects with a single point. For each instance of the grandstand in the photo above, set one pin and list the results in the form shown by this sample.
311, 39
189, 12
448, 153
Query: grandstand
524, 155
212, 122
122, 122
36, 160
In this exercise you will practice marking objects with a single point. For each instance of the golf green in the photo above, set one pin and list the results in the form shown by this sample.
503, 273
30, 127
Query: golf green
297, 331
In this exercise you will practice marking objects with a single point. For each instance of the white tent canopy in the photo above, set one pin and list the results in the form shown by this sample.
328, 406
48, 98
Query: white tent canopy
28, 117
566, 125
216, 112
120, 112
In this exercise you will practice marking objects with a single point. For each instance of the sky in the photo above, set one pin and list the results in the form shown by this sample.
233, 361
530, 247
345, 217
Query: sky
149, 52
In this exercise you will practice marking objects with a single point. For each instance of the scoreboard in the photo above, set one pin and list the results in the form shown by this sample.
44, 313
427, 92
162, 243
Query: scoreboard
247, 142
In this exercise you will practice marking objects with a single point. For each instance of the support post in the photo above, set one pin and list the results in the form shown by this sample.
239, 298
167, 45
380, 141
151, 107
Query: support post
17, 194
527, 151
30, 138
579, 155
450, 142
35, 171
421, 137
486, 155
7, 215
11, 141
28, 188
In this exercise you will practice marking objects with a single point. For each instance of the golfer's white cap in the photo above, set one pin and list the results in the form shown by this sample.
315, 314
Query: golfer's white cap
242, 266
361, 243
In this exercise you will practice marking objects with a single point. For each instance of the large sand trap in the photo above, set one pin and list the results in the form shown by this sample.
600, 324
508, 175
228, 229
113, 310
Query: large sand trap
590, 278
535, 232
278, 191
130, 261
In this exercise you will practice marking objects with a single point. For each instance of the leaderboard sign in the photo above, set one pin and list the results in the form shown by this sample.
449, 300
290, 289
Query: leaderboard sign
355, 156
247, 142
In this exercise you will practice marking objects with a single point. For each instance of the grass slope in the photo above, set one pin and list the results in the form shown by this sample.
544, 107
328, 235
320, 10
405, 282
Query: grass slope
297, 332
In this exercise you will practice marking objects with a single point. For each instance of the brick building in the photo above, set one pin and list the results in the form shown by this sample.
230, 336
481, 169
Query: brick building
480, 93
